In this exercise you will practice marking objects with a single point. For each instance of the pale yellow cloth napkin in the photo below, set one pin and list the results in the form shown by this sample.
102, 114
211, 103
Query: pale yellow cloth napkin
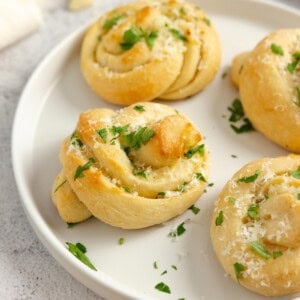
18, 18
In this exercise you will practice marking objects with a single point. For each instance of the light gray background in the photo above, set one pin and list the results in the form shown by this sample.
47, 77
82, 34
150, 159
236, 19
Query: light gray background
27, 271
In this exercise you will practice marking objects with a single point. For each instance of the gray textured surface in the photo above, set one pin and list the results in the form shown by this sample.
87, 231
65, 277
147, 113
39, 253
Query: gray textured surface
27, 271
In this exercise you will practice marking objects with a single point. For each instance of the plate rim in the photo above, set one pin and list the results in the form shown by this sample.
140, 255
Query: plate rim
110, 287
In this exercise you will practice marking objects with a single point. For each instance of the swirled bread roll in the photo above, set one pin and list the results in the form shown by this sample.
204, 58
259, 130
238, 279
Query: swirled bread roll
269, 82
148, 49
255, 229
133, 168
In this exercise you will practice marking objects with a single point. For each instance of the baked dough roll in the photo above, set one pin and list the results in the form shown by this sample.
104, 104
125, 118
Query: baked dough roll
269, 82
133, 168
149, 49
255, 229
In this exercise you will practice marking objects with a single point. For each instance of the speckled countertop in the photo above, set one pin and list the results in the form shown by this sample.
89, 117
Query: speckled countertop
27, 271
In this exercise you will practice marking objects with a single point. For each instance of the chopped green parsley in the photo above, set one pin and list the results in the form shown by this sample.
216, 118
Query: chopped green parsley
121, 241
103, 134
70, 225
141, 174
296, 173
75, 140
238, 269
126, 189
237, 115
155, 265
200, 177
161, 195
164, 272
192, 151
112, 22
179, 230
237, 111
277, 49
140, 108
245, 127
174, 267
179, 35
250, 178
194, 209
80, 169
182, 188
136, 139
259, 248
219, 218
162, 287
79, 251
232, 200
117, 130
207, 21
291, 67
253, 212
134, 35
298, 196
150, 39
276, 254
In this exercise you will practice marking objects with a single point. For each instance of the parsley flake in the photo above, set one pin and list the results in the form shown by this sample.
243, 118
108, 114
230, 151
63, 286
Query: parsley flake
155, 265
139, 108
150, 39
296, 173
126, 189
75, 140
194, 209
161, 195
179, 35
162, 287
81, 247
182, 188
238, 269
219, 218
298, 196
174, 267
117, 130
78, 251
237, 114
112, 22
179, 230
259, 248
245, 127
70, 225
276, 254
182, 11
277, 49
237, 111
164, 272
121, 241
253, 212
198, 149
136, 139
250, 178
141, 174
80, 169
207, 21
200, 177
103, 134
291, 67
232, 200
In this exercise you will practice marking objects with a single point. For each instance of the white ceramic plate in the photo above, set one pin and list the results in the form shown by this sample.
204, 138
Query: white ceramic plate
48, 111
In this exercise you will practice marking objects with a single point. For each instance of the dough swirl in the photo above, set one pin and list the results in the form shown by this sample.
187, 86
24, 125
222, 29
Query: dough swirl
130, 168
148, 49
268, 79
255, 227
